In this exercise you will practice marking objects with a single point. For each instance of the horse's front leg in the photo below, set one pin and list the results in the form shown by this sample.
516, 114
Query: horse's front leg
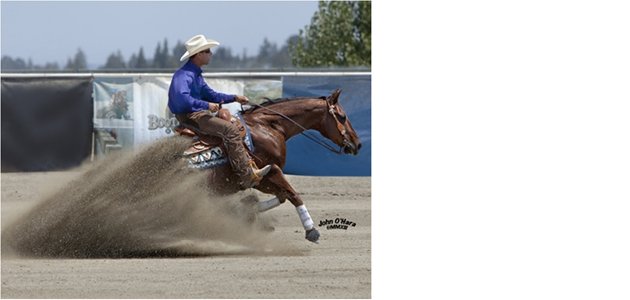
276, 184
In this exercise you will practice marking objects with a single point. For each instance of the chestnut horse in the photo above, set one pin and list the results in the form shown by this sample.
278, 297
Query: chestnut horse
271, 125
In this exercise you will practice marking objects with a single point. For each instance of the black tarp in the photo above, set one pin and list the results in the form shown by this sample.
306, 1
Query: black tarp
46, 123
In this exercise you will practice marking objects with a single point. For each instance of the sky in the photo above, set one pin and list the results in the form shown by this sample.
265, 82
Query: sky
54, 31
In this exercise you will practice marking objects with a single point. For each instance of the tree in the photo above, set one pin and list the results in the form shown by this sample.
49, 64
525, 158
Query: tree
139, 61
69, 64
222, 58
115, 61
166, 57
133, 61
266, 53
9, 63
142, 61
340, 34
282, 58
78, 63
161, 57
178, 51
51, 66
157, 56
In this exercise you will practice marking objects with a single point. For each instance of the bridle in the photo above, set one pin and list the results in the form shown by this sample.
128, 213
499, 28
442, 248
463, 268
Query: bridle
332, 109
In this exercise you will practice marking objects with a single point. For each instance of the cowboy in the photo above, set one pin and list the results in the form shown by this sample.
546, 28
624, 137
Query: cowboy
194, 103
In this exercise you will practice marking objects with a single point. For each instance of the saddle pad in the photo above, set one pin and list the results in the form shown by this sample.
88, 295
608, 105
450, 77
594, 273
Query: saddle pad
204, 156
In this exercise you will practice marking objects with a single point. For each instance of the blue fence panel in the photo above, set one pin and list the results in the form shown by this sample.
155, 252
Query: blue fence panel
304, 157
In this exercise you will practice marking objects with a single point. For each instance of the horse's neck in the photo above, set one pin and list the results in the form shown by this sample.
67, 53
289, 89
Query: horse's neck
307, 113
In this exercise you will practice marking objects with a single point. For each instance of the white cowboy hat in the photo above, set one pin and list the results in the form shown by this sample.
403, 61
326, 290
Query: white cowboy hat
197, 44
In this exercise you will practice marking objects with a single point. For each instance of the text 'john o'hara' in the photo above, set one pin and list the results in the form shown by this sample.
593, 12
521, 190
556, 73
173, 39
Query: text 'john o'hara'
337, 223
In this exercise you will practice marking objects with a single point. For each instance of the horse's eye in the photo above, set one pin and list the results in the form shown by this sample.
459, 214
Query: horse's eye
341, 118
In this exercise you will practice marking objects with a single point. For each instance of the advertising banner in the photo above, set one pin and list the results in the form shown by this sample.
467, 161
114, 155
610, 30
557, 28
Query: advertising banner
133, 111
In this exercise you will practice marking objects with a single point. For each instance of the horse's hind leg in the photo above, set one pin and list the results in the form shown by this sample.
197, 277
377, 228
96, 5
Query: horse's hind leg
275, 183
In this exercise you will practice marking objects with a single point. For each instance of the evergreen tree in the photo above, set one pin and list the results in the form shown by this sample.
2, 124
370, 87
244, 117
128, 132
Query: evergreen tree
157, 56
133, 61
165, 56
266, 53
115, 61
282, 58
51, 66
221, 58
178, 50
70, 64
80, 61
9, 63
141, 62
161, 56
138, 61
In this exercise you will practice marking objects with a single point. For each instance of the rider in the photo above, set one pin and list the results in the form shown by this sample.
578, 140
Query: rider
194, 103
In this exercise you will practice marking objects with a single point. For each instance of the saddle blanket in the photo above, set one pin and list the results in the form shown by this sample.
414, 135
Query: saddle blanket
215, 156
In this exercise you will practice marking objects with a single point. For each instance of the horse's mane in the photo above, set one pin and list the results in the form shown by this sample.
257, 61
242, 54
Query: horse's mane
269, 102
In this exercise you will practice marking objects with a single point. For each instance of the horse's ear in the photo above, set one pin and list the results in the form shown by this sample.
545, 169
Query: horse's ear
334, 97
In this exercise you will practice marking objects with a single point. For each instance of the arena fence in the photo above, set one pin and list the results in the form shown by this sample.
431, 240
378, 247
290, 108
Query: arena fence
56, 121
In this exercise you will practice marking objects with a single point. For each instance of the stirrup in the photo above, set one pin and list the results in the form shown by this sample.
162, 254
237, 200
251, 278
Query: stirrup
258, 174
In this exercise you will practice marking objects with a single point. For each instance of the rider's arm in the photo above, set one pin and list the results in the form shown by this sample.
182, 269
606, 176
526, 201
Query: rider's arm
211, 95
183, 101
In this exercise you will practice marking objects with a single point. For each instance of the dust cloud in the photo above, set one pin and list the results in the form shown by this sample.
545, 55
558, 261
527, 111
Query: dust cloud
140, 204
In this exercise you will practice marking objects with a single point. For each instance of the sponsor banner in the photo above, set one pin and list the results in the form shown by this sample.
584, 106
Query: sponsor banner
113, 114
133, 111
152, 118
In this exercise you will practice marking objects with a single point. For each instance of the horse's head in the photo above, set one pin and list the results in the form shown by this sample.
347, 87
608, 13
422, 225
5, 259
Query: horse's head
337, 127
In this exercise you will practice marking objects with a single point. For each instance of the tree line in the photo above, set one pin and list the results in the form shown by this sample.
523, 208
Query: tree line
339, 36
165, 57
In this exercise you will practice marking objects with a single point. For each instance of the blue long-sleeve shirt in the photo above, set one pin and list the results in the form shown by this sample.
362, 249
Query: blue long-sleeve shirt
189, 92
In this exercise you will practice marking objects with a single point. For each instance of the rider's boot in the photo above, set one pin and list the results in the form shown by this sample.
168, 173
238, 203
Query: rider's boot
249, 175
243, 165
255, 175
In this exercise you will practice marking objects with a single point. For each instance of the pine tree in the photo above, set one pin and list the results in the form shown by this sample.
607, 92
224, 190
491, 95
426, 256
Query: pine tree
141, 61
69, 64
80, 61
157, 56
133, 61
178, 50
115, 61
166, 57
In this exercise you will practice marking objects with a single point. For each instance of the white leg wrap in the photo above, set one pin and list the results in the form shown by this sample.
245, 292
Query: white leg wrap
269, 204
307, 222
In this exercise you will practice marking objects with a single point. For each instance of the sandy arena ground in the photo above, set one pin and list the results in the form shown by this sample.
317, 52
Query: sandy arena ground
338, 267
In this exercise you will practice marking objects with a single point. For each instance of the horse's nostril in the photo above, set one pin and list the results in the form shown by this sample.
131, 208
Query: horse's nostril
359, 146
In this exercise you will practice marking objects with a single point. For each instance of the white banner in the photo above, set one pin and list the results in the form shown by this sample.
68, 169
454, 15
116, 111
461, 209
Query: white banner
152, 119
131, 111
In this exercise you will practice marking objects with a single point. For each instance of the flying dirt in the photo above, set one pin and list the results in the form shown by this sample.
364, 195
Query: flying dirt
145, 203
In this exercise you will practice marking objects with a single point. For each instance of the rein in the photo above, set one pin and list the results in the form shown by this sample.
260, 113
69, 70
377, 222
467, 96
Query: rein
305, 133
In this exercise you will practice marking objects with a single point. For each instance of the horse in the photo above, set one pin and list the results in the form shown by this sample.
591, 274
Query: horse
271, 124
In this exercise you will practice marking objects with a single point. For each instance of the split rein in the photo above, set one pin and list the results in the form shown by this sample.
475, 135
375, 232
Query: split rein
304, 132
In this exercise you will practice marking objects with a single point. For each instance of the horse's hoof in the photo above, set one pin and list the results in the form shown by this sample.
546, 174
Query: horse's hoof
312, 235
249, 200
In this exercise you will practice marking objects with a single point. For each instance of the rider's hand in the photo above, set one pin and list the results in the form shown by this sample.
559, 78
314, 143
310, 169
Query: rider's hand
241, 99
213, 107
